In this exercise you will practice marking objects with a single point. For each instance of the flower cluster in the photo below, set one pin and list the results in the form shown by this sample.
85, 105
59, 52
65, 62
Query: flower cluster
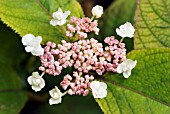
81, 27
84, 55
88, 58
77, 84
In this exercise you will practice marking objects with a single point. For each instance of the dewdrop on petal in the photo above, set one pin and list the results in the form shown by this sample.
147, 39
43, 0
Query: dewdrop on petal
126, 30
36, 81
98, 89
97, 11
125, 67
32, 44
59, 18
55, 96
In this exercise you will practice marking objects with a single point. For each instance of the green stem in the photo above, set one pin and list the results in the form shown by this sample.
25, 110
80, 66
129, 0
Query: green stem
121, 40
43, 73
92, 18
65, 93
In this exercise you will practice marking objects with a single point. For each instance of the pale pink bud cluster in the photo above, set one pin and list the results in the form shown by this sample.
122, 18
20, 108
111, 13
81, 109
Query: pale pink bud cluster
115, 50
77, 84
81, 27
49, 63
83, 55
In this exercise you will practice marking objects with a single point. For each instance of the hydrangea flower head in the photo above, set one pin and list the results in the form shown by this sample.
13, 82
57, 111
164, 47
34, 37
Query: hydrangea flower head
32, 44
126, 30
55, 96
98, 89
125, 67
97, 11
59, 18
36, 81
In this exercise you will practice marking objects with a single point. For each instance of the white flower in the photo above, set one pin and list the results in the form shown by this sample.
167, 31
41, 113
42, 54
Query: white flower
59, 18
98, 89
55, 96
97, 11
32, 44
36, 81
126, 67
126, 30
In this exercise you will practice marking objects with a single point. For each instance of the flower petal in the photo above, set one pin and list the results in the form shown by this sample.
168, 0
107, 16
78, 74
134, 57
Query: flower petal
54, 101
120, 33
28, 49
36, 88
66, 14
29, 79
27, 39
126, 74
39, 39
119, 68
98, 89
126, 30
60, 10
53, 22
37, 52
97, 11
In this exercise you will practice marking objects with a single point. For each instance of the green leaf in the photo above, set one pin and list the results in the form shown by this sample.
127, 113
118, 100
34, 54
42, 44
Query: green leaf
150, 77
33, 16
12, 97
152, 24
122, 101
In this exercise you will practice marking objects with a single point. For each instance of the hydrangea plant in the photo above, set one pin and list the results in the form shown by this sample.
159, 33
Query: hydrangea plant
87, 56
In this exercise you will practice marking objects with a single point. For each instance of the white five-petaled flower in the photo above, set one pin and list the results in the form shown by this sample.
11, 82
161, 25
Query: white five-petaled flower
59, 18
125, 67
98, 89
55, 96
97, 11
126, 30
36, 81
32, 44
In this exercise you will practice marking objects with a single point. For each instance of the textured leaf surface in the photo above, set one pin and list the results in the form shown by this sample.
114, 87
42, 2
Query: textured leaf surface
122, 101
151, 76
152, 24
12, 98
146, 91
33, 16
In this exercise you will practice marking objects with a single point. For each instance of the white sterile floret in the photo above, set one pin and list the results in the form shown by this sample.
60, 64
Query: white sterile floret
125, 67
126, 30
59, 18
36, 81
32, 44
55, 96
98, 89
97, 11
